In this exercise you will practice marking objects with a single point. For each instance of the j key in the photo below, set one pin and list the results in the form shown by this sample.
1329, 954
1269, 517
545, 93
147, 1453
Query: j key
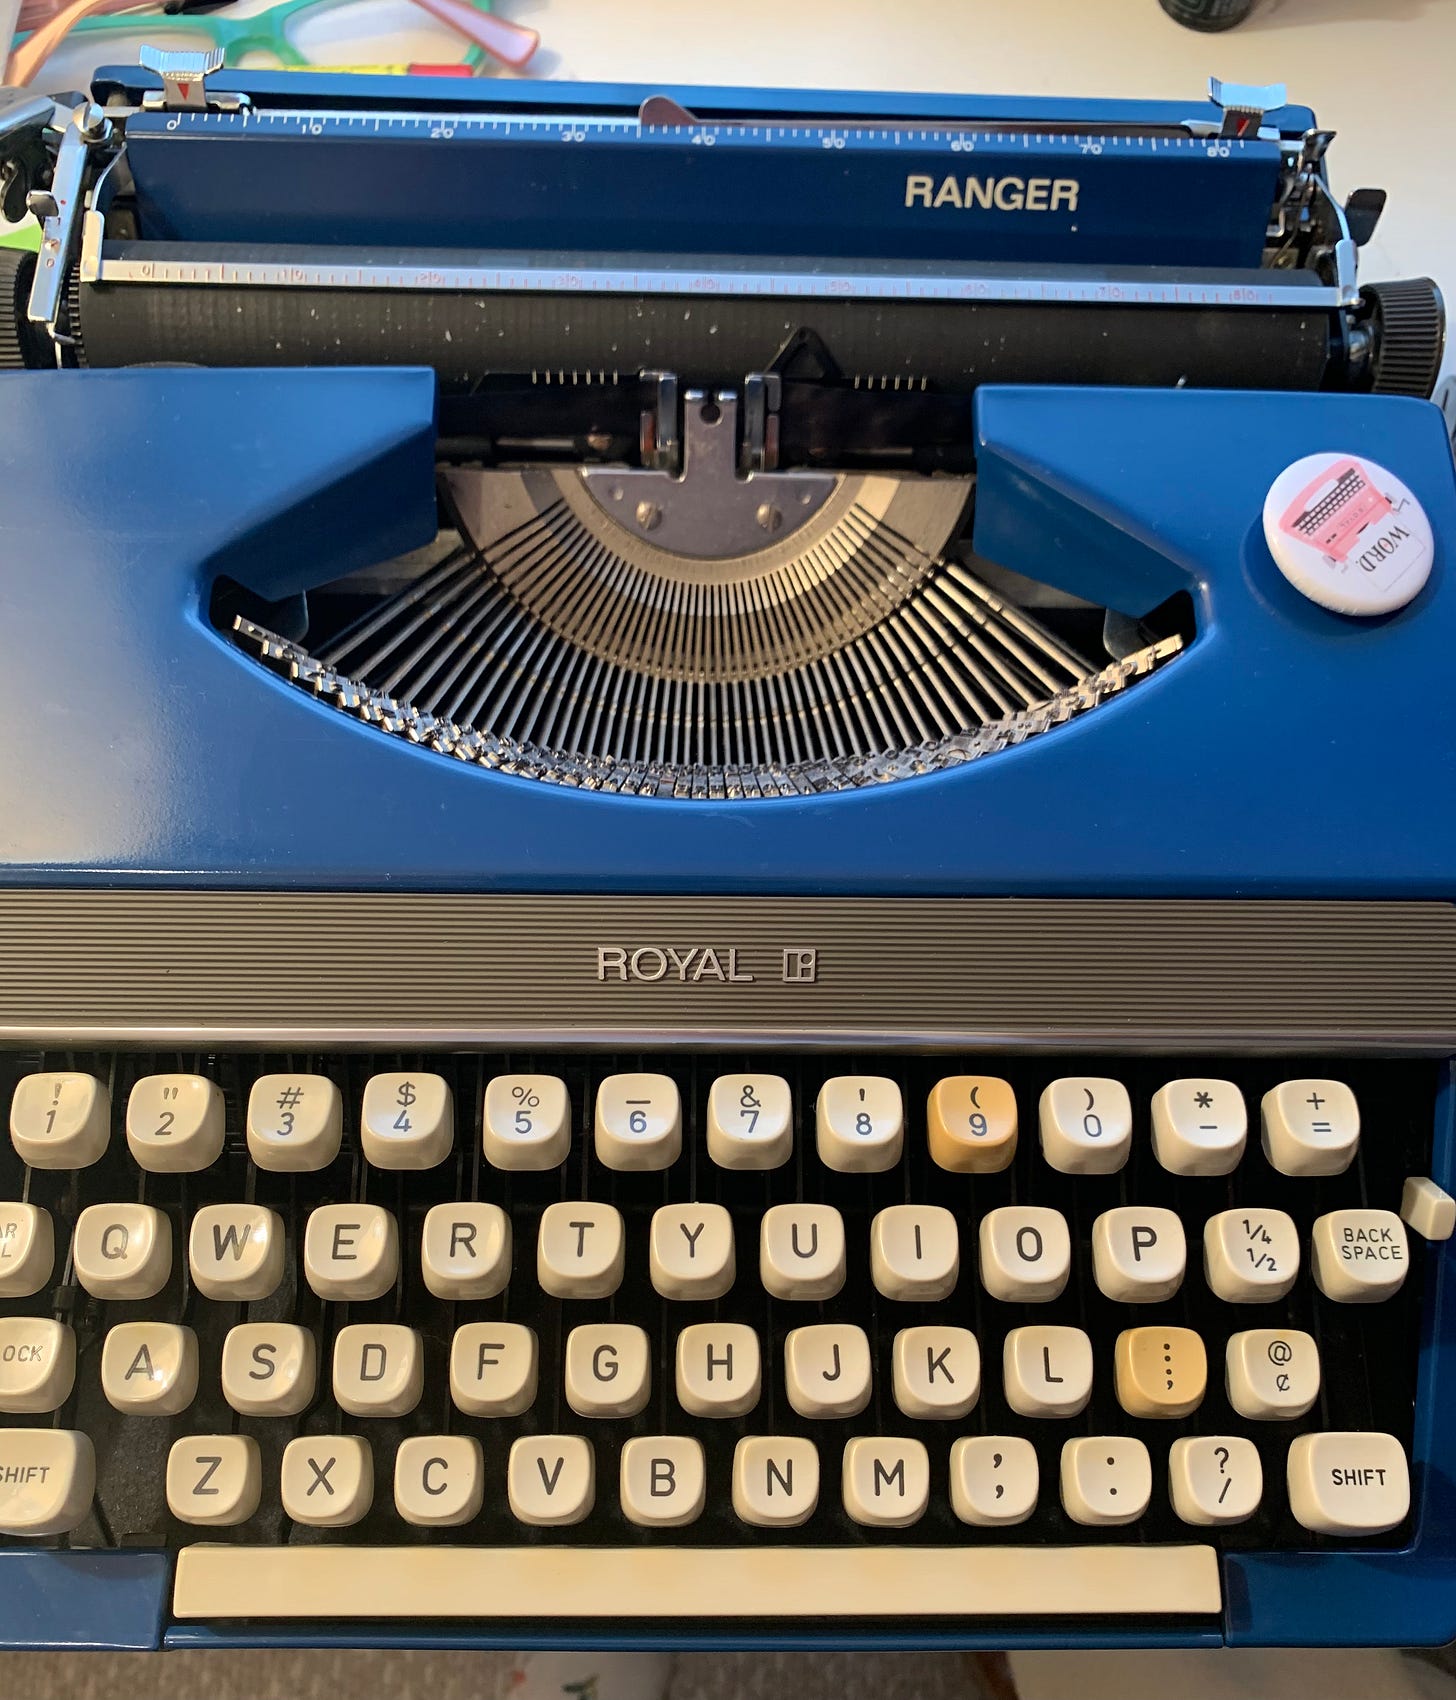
174, 1123
407, 1121
27, 1250
47, 1480
1250, 1256
1360, 1256
60, 1121
295, 1122
827, 1370
750, 1121
1310, 1127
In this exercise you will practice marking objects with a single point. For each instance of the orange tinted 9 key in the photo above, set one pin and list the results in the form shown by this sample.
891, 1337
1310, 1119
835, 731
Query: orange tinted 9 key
971, 1122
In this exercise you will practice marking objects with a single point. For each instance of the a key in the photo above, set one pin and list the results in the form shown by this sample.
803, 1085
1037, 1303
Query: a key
149, 1368
1310, 1127
1215, 1479
122, 1251
551, 1480
351, 1251
971, 1124
494, 1368
801, 1251
1360, 1256
775, 1481
885, 1483
1160, 1371
827, 1369
994, 1479
407, 1121
1250, 1256
1272, 1374
936, 1371
295, 1122
378, 1369
608, 1369
269, 1369
1106, 1478
527, 1124
215, 1480
638, 1121
690, 1251
60, 1121
1086, 1125
465, 1250
175, 1123
1138, 1254
860, 1123
915, 1252
750, 1121
719, 1370
1047, 1371
1200, 1126
663, 1482
327, 1481
1026, 1253
27, 1250
47, 1480
580, 1251
1348, 1484
37, 1364
235, 1251
439, 1480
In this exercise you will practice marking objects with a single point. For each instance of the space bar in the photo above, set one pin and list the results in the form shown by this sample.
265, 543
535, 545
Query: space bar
694, 1582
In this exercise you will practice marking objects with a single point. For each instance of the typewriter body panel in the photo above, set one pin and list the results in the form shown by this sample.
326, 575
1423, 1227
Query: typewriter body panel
302, 815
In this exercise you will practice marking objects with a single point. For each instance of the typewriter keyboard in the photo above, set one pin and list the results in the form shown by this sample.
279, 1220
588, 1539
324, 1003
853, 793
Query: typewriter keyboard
682, 1336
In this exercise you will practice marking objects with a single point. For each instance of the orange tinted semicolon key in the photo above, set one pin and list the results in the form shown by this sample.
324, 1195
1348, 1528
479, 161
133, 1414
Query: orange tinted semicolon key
971, 1120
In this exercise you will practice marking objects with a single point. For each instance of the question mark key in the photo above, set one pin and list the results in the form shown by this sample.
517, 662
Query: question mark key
1215, 1479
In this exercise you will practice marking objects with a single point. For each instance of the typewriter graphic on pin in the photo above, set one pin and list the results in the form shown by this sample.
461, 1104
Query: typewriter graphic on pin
1335, 510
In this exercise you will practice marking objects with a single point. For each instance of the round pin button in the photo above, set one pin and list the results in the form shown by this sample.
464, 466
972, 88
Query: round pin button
1348, 534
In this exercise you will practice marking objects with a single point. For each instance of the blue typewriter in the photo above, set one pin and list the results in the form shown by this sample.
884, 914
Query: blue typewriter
726, 869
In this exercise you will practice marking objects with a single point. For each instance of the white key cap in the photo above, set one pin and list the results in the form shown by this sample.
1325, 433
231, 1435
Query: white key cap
1138, 1254
1360, 1256
60, 1121
719, 1370
439, 1480
235, 1251
750, 1121
1310, 1127
801, 1251
663, 1481
527, 1124
327, 1481
122, 1251
1026, 1253
47, 1480
1215, 1479
638, 1121
1047, 1371
269, 1369
827, 1369
1429, 1209
860, 1123
351, 1251
915, 1252
936, 1371
37, 1364
885, 1483
174, 1123
494, 1368
1348, 1484
608, 1369
27, 1250
407, 1121
994, 1479
775, 1481
465, 1250
295, 1122
149, 1368
690, 1251
1272, 1374
1086, 1125
551, 1480
1106, 1478
214, 1479
1250, 1256
379, 1369
580, 1251
1200, 1127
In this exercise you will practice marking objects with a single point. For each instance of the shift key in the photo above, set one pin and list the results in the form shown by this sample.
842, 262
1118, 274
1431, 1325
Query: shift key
1348, 1483
47, 1480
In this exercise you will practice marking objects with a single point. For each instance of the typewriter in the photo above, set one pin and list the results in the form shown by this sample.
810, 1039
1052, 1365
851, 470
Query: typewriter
726, 872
